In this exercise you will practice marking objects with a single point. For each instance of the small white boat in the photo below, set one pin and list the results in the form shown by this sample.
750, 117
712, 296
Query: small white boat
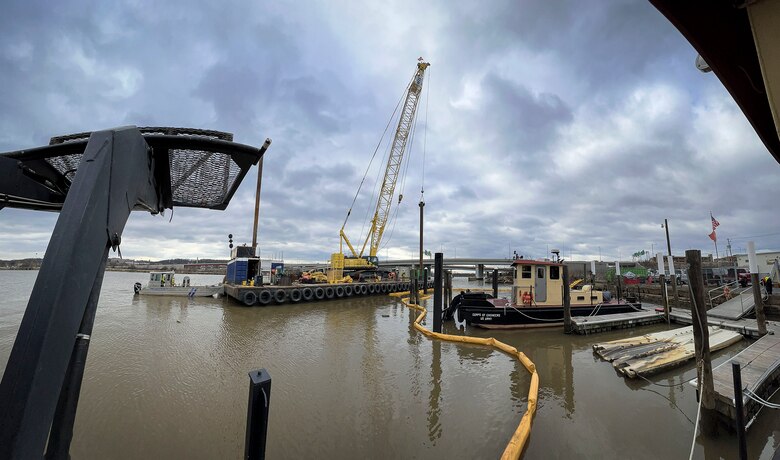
164, 283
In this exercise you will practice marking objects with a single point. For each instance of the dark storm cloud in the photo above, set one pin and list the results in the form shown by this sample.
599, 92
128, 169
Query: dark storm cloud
580, 125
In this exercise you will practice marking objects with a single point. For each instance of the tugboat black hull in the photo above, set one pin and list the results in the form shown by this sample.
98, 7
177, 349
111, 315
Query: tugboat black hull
478, 310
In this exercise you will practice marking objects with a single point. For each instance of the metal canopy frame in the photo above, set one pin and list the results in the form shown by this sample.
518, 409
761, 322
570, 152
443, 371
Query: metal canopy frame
118, 170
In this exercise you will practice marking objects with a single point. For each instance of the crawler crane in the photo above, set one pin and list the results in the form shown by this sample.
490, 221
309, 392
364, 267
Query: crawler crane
357, 260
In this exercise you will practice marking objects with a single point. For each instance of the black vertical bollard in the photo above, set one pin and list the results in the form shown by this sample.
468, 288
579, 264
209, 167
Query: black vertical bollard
413, 292
566, 302
495, 284
740, 416
437, 303
257, 414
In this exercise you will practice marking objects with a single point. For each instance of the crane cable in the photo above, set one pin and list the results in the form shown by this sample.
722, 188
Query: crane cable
425, 135
374, 155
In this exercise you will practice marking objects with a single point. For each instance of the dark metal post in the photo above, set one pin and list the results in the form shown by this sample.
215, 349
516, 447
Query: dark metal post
495, 284
413, 291
422, 267
116, 172
566, 302
740, 415
701, 339
437, 300
257, 414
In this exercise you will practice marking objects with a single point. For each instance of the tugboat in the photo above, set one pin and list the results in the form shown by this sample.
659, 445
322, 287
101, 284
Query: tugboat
163, 283
537, 300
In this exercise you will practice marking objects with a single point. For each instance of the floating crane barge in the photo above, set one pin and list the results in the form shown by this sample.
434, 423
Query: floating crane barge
267, 295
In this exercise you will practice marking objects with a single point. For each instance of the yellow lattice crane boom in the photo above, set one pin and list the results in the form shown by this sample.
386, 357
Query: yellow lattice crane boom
356, 259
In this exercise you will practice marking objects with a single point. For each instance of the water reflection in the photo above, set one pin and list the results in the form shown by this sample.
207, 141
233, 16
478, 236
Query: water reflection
434, 410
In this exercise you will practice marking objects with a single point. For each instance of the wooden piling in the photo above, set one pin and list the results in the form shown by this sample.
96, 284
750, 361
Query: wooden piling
567, 328
760, 315
664, 296
495, 284
701, 339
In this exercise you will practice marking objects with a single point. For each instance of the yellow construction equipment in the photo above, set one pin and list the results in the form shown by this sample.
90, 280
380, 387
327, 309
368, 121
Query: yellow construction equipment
357, 260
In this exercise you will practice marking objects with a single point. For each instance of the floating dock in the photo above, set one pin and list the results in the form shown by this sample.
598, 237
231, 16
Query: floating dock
760, 365
600, 323
267, 295
745, 326
733, 309
652, 353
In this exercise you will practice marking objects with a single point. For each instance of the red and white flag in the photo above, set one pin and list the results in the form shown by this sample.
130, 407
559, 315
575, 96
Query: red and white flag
715, 224
713, 236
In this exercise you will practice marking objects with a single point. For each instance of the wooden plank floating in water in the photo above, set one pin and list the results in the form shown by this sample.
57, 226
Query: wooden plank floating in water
652, 353
600, 323
760, 364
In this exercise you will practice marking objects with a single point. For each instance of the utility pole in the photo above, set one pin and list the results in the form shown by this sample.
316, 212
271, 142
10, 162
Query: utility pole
265, 146
671, 264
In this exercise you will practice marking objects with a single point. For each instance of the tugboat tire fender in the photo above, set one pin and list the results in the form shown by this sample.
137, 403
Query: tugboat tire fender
372, 289
348, 291
295, 295
280, 295
339, 291
249, 298
330, 292
265, 297
319, 293
307, 293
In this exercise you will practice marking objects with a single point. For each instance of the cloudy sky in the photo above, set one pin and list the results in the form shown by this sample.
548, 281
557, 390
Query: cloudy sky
576, 125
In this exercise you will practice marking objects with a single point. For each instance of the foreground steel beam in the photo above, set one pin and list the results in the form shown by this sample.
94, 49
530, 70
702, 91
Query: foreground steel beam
116, 174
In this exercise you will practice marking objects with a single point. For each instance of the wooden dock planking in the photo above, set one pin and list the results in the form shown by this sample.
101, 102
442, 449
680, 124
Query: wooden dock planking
760, 363
591, 324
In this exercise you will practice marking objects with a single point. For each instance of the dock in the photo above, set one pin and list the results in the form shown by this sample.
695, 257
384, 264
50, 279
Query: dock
745, 326
267, 295
734, 309
600, 323
760, 364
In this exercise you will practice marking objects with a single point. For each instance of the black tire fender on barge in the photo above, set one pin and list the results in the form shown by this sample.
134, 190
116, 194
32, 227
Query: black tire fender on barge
339, 291
307, 294
348, 291
265, 297
372, 289
280, 295
295, 295
319, 293
249, 298
363, 289
329, 292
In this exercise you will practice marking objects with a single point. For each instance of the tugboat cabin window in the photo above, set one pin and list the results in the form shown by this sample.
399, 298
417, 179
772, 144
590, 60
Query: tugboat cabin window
540, 272
580, 297
555, 272
527, 272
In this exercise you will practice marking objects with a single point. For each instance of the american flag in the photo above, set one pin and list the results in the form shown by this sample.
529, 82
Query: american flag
715, 223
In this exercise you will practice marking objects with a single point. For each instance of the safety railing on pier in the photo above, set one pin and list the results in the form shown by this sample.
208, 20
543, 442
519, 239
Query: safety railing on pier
516, 444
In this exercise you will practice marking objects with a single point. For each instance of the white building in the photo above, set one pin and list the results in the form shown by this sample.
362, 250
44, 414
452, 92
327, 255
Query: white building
765, 261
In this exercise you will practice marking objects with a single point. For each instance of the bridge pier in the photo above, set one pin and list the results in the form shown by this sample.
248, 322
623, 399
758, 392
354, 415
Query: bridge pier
480, 271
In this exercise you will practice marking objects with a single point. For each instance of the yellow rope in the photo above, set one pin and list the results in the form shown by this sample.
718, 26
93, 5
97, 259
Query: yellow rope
515, 446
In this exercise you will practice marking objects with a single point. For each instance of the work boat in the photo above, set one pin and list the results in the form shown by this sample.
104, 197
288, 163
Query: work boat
537, 300
163, 283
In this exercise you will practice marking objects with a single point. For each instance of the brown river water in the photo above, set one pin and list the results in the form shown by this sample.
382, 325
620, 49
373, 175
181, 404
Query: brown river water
167, 378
